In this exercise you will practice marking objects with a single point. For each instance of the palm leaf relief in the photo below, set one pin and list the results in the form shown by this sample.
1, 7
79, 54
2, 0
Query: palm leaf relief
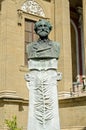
43, 102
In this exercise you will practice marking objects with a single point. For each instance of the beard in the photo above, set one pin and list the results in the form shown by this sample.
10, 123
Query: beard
43, 33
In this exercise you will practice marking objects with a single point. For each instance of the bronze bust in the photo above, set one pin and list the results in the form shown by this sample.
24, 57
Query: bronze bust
44, 47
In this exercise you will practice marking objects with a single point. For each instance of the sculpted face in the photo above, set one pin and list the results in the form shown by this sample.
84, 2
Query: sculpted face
43, 28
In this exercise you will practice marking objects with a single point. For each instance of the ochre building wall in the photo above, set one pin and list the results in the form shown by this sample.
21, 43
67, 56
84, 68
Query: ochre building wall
14, 96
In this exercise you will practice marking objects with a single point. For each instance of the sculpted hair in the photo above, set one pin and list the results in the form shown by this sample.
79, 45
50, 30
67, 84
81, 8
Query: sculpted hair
38, 23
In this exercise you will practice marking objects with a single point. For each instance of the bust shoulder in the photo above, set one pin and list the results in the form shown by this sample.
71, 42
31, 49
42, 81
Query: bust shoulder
30, 45
56, 47
57, 44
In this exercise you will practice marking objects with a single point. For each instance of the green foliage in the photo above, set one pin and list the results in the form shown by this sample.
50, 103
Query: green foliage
12, 124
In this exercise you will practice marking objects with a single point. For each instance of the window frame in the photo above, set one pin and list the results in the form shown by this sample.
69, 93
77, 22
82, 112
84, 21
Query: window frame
32, 33
23, 67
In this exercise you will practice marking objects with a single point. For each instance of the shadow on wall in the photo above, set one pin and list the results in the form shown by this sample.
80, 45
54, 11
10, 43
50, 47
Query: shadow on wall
84, 128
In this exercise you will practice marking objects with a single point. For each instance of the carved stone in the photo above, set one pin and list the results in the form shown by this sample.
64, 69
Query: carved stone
43, 99
31, 6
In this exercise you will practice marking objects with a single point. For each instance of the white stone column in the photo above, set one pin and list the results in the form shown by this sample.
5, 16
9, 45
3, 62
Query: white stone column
62, 35
43, 98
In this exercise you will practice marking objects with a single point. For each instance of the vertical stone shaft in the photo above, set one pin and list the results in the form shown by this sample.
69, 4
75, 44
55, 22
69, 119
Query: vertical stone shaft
62, 29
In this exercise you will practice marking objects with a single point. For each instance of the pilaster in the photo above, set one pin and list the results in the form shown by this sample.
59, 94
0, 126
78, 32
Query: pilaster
3, 45
11, 49
62, 35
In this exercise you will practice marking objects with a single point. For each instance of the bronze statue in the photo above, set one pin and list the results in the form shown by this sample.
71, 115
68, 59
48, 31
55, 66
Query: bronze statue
44, 47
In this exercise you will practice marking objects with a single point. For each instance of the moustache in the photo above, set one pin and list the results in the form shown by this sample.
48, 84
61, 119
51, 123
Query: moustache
43, 30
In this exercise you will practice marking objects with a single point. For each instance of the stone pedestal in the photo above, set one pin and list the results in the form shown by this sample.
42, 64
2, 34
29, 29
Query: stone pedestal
43, 100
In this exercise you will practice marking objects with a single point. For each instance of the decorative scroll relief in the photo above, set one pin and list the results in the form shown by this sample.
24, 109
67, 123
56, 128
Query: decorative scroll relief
30, 6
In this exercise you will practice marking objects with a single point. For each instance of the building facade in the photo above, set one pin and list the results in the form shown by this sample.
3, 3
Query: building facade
17, 18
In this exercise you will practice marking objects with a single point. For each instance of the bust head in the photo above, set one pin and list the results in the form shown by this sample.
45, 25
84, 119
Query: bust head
42, 28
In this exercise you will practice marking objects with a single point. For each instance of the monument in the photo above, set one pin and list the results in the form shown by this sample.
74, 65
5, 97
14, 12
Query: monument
42, 80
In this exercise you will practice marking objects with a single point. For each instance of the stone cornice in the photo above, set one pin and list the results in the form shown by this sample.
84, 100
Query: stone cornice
13, 100
11, 96
73, 101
